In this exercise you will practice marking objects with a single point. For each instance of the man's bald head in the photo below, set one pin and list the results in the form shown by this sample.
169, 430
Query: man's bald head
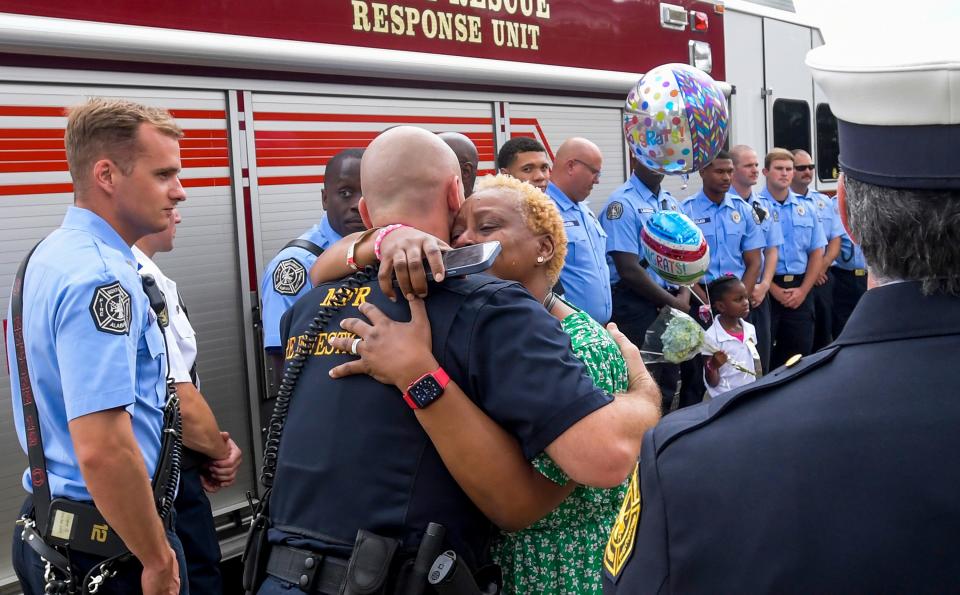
409, 175
466, 153
577, 168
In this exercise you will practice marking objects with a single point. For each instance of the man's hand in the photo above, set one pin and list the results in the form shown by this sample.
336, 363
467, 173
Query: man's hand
402, 253
379, 354
778, 293
759, 293
682, 300
162, 577
793, 298
641, 383
222, 473
822, 279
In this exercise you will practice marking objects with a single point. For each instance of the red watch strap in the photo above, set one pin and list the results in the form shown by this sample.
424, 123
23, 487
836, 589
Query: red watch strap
440, 375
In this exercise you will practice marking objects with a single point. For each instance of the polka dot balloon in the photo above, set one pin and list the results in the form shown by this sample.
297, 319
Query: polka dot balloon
675, 119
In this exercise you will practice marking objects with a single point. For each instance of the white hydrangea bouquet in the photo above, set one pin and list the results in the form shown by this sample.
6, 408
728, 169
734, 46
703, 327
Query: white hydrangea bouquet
675, 337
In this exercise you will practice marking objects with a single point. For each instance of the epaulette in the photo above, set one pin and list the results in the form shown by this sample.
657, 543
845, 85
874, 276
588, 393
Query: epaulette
686, 420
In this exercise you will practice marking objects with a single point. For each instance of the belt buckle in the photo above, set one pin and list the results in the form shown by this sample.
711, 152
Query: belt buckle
860, 272
788, 278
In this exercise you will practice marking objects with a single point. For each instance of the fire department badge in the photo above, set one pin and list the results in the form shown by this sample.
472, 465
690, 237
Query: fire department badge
821, 205
289, 277
624, 533
801, 211
110, 308
735, 216
615, 210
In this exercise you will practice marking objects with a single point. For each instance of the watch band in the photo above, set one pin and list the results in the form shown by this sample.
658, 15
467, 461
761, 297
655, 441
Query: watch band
351, 260
438, 376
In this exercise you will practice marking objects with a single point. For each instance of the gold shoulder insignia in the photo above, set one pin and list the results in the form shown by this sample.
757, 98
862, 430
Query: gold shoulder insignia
624, 532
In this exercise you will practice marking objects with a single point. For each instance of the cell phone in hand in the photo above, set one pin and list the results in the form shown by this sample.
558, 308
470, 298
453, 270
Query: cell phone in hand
470, 259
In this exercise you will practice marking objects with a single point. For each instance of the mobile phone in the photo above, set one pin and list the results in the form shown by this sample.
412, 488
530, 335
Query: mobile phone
470, 259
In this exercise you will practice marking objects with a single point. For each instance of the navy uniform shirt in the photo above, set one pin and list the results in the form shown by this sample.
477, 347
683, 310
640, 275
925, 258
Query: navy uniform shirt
92, 343
624, 215
832, 476
802, 232
287, 277
730, 230
585, 275
353, 455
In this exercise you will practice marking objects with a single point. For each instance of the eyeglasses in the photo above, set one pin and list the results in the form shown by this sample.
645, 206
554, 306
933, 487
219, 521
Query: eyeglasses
593, 170
805, 167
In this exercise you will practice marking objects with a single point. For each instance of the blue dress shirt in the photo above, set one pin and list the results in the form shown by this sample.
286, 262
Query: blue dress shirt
585, 275
280, 288
730, 230
802, 232
92, 343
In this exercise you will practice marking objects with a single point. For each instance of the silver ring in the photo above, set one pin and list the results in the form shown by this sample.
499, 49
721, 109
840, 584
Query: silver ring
353, 346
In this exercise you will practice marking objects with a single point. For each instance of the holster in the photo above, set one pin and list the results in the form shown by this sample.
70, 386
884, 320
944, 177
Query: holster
255, 550
370, 564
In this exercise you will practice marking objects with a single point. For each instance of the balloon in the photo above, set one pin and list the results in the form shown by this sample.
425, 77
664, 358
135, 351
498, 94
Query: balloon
675, 119
675, 247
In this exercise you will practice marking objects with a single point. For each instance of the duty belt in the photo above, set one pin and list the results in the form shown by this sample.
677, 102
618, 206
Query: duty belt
312, 572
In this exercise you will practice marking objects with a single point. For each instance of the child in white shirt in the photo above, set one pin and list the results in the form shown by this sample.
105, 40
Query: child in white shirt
736, 339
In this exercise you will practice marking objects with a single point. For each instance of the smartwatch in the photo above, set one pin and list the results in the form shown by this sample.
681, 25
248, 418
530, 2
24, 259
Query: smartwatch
426, 389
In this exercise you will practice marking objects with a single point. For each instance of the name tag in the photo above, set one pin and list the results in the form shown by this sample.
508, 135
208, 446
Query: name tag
571, 223
702, 220
646, 210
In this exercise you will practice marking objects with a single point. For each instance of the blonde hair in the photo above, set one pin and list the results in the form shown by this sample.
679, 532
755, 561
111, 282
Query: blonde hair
777, 154
539, 214
108, 128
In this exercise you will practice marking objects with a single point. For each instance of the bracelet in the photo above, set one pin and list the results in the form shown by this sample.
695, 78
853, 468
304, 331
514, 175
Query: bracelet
382, 234
351, 260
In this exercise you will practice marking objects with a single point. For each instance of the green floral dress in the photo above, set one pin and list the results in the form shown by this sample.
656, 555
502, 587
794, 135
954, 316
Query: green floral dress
562, 553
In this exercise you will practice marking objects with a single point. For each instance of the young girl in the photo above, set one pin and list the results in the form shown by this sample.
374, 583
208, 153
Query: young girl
735, 337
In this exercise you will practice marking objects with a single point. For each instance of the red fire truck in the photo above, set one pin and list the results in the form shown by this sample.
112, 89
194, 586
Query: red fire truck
268, 91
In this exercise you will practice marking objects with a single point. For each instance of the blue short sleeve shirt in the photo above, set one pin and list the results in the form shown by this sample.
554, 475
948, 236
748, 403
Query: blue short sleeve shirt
730, 230
827, 213
287, 277
92, 344
624, 215
851, 255
585, 275
802, 232
772, 233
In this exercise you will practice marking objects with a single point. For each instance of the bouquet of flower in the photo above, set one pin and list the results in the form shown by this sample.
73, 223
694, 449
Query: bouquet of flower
675, 337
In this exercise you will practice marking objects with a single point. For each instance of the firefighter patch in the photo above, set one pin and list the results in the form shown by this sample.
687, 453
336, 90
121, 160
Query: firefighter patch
614, 210
735, 216
624, 533
110, 308
801, 211
289, 277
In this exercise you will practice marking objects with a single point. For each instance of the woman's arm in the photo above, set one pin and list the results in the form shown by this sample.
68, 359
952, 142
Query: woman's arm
483, 458
403, 252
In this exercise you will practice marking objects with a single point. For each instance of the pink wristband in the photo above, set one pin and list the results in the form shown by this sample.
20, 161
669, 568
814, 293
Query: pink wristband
382, 234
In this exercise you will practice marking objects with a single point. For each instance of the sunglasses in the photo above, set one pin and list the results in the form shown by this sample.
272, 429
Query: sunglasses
805, 167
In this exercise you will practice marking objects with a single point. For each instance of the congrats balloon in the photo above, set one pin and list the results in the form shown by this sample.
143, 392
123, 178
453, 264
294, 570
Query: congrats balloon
675, 247
675, 119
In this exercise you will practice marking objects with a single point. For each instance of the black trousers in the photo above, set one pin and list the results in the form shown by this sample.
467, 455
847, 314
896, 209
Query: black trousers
848, 287
823, 313
29, 567
197, 533
759, 317
791, 329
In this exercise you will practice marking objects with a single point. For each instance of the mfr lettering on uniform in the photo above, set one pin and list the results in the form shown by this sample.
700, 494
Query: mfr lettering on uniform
341, 296
301, 344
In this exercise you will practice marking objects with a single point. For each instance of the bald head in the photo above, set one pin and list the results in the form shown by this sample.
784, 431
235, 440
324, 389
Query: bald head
577, 169
466, 153
409, 175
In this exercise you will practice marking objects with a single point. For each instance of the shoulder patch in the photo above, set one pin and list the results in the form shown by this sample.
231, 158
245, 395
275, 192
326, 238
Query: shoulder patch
614, 210
289, 277
624, 532
110, 309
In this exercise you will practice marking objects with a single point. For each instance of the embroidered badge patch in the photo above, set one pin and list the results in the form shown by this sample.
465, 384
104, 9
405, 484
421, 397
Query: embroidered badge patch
624, 533
801, 211
614, 210
289, 277
110, 308
821, 205
735, 216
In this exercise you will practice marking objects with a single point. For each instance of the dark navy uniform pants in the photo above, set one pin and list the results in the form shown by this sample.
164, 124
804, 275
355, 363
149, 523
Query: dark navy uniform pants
823, 313
29, 567
197, 533
759, 317
791, 329
848, 288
